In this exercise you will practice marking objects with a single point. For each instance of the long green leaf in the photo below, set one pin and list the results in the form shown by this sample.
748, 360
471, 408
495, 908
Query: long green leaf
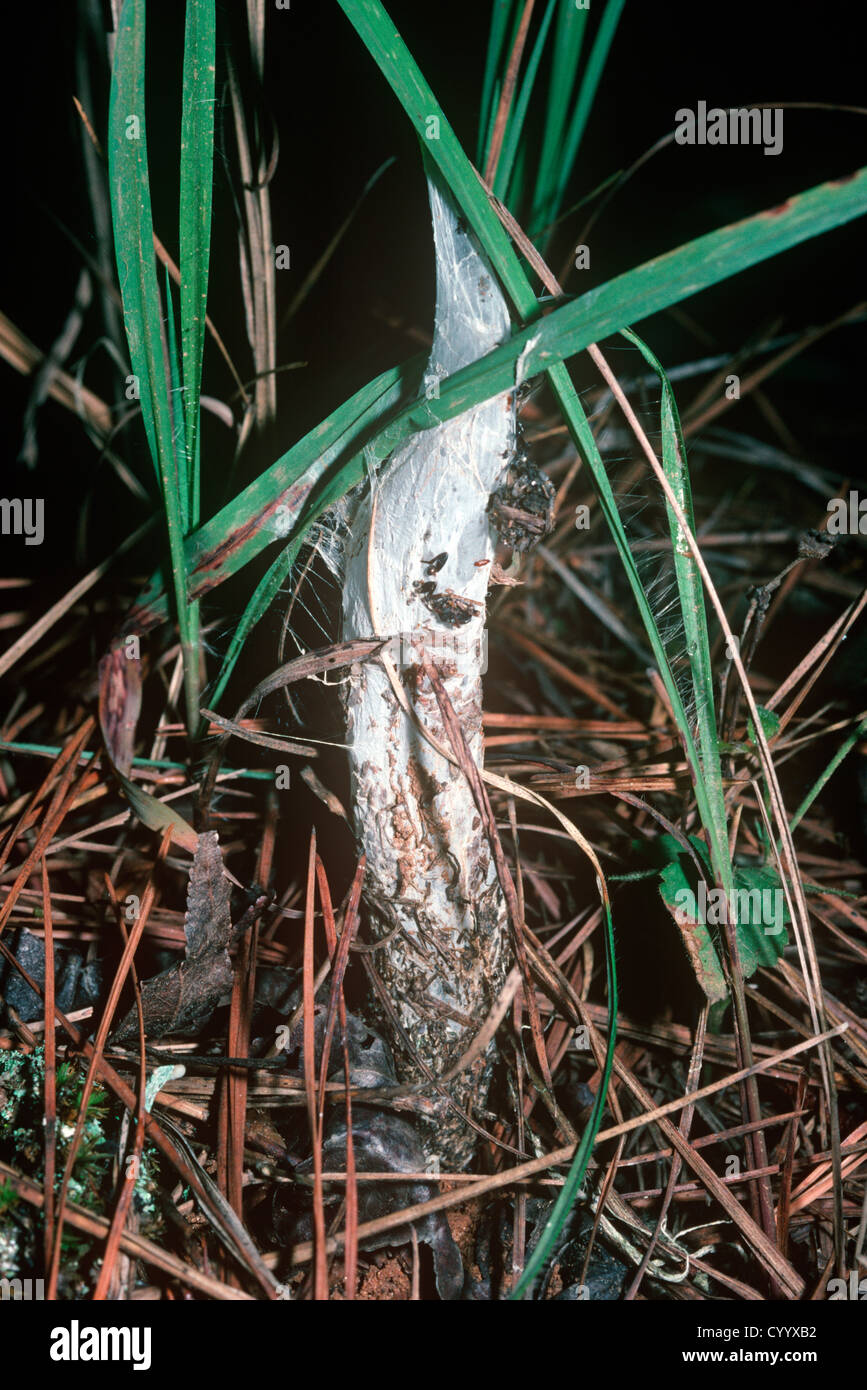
587, 95
692, 607
578, 1167
176, 406
132, 224
133, 235
564, 393
263, 596
859, 732
569, 38
185, 470
196, 191
518, 114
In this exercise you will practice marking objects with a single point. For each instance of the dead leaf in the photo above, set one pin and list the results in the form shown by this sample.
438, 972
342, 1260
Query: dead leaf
119, 705
182, 998
208, 922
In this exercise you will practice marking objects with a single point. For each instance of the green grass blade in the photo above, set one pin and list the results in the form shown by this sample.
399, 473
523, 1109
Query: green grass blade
177, 401
586, 96
578, 1167
571, 25
196, 196
176, 405
264, 595
196, 191
692, 606
132, 224
518, 114
845, 748
570, 405
133, 232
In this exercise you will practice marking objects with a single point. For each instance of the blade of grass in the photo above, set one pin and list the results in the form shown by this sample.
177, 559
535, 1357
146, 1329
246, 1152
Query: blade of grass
692, 607
571, 24
196, 193
586, 96
187, 484
845, 747
196, 196
794, 888
132, 224
255, 238
518, 114
176, 404
578, 1167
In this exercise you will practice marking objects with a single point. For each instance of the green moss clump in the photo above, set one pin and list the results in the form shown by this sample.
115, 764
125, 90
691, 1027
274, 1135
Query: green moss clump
92, 1184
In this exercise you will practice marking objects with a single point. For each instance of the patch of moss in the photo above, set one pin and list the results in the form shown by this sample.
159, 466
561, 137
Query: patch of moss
22, 1146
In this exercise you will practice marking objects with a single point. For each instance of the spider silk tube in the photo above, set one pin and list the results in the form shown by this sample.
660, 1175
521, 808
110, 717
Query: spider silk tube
413, 575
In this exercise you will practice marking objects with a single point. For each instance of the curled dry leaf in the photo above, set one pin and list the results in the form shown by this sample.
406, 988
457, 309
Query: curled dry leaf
182, 998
